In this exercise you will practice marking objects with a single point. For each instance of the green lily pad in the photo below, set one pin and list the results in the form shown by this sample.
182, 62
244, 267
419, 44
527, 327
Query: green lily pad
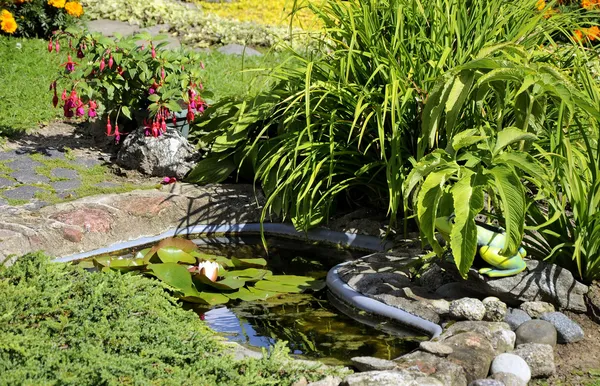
224, 261
175, 275
86, 264
228, 283
250, 263
175, 255
263, 294
274, 286
141, 254
248, 274
304, 282
210, 298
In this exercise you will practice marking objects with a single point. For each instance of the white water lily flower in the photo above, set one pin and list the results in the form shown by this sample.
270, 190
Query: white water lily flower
210, 269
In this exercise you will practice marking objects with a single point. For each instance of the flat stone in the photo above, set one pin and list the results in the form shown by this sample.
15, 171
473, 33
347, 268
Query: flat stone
23, 163
90, 219
567, 330
72, 234
7, 183
329, 380
413, 307
495, 310
509, 379
3, 202
536, 331
35, 205
239, 352
372, 364
50, 152
473, 352
238, 49
389, 378
539, 358
29, 177
535, 309
436, 348
513, 364
150, 206
467, 308
8, 155
109, 27
25, 192
515, 317
454, 291
430, 368
64, 173
87, 162
486, 382
65, 186
107, 185
157, 29
497, 333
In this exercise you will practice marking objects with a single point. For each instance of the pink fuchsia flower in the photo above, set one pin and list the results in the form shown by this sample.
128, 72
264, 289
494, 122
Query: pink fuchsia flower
169, 180
55, 99
57, 47
108, 128
190, 115
151, 91
80, 54
92, 110
70, 64
50, 46
102, 65
162, 73
117, 134
110, 61
80, 111
153, 52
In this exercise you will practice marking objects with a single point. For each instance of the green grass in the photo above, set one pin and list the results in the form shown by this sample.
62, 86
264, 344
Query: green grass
62, 325
25, 76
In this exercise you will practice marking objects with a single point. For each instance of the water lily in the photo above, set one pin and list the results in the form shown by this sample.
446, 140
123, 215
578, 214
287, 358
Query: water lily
210, 269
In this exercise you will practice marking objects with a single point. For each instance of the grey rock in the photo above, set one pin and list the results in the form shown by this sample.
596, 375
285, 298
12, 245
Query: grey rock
513, 364
536, 331
8, 155
486, 382
375, 283
540, 281
497, 333
87, 162
239, 352
436, 348
35, 205
509, 379
593, 301
467, 308
51, 152
109, 27
434, 277
372, 364
25, 192
515, 317
107, 185
238, 49
495, 310
64, 173
439, 306
7, 183
389, 378
23, 163
411, 306
567, 330
169, 155
327, 381
29, 177
3, 202
425, 366
539, 358
473, 352
454, 291
535, 309
64, 186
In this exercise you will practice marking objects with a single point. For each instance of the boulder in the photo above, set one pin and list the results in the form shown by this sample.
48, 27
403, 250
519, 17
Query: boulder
515, 317
539, 358
372, 364
424, 367
495, 310
536, 331
593, 301
497, 333
473, 352
540, 281
567, 330
169, 155
513, 364
535, 309
467, 308
436, 348
389, 378
509, 379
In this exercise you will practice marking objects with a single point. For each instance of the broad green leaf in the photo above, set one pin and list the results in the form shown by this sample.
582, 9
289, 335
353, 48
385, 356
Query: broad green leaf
426, 165
275, 286
458, 94
304, 282
248, 275
251, 263
427, 204
466, 138
468, 202
524, 162
432, 114
213, 169
210, 298
141, 254
512, 195
228, 283
174, 255
509, 136
126, 112
224, 261
176, 276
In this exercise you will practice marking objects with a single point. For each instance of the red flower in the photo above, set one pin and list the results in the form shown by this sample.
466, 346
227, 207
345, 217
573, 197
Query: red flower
110, 61
153, 52
57, 47
70, 64
102, 65
108, 128
50, 46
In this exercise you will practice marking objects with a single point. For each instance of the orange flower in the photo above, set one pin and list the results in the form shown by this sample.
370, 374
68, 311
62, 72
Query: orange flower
73, 8
593, 33
541, 4
589, 4
578, 35
57, 3
7, 22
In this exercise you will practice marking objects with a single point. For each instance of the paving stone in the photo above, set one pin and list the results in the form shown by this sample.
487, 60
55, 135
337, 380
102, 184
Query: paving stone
109, 27
35, 205
6, 183
66, 194
29, 177
23, 163
64, 173
64, 186
3, 202
25, 192
50, 152
8, 155
87, 162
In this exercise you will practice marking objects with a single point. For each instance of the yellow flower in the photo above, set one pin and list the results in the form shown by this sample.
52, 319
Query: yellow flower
7, 22
73, 8
4, 14
541, 4
57, 3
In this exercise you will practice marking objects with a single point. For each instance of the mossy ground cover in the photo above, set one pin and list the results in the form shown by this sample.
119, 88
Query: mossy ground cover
60, 324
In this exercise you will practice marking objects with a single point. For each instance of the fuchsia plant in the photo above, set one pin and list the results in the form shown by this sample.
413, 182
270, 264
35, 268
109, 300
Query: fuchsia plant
125, 83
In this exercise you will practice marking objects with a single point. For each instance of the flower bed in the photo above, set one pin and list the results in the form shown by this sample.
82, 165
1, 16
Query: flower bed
38, 17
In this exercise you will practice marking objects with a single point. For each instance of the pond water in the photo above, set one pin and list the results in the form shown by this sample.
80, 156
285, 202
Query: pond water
315, 325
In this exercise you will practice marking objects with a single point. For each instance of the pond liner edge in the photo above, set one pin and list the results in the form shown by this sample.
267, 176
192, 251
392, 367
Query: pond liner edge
334, 282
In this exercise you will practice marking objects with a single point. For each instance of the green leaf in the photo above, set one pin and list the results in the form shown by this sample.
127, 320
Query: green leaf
224, 261
509, 136
275, 286
249, 274
468, 202
427, 204
210, 298
126, 112
466, 138
176, 276
175, 255
257, 263
141, 254
228, 283
458, 94
213, 169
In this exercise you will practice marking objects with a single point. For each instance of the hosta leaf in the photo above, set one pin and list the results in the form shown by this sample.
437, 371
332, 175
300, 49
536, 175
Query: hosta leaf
509, 136
174, 255
468, 202
512, 195
250, 263
427, 204
176, 276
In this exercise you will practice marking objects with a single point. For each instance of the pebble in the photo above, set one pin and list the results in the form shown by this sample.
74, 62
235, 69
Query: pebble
495, 310
515, 317
467, 308
539, 357
535, 309
486, 382
436, 348
568, 331
536, 331
509, 379
372, 364
513, 364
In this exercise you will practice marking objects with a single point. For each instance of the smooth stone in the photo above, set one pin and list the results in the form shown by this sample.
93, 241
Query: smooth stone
427, 366
25, 192
497, 333
238, 49
539, 357
495, 310
535, 309
363, 364
63, 186
467, 308
329, 380
515, 317
8, 155
389, 378
7, 183
513, 364
536, 331
473, 352
29, 177
486, 382
87, 162
567, 330
593, 301
413, 307
436, 348
509, 379
64, 173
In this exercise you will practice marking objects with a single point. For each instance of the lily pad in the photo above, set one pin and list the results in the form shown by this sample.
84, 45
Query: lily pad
249, 263
86, 264
304, 282
228, 283
224, 261
275, 286
141, 254
248, 274
175, 275
175, 255
211, 298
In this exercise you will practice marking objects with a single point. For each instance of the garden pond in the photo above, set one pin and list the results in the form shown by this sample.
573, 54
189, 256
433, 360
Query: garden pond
315, 324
